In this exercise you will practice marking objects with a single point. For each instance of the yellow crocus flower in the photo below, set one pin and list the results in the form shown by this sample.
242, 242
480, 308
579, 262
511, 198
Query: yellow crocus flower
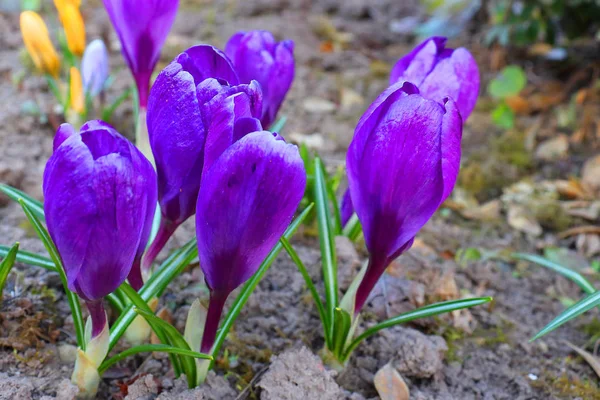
38, 44
76, 91
72, 21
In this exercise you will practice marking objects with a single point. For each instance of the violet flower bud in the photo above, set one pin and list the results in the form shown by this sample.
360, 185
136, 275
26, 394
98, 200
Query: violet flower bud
402, 164
99, 192
247, 200
439, 72
256, 55
94, 67
142, 27
197, 108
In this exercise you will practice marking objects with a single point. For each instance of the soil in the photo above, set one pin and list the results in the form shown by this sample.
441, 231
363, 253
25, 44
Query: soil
483, 353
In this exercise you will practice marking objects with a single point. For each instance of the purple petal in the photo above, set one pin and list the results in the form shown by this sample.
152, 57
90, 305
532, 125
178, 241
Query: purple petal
204, 61
416, 65
246, 202
402, 163
346, 209
94, 67
98, 191
457, 77
142, 27
257, 56
177, 137
64, 132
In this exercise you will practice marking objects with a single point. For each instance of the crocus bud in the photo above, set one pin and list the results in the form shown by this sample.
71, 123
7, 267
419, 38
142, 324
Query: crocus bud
196, 110
402, 164
99, 191
94, 67
142, 27
38, 44
439, 72
247, 199
256, 55
76, 91
72, 22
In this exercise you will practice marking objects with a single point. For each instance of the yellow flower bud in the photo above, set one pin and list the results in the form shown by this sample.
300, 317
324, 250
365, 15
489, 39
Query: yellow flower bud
72, 22
38, 44
76, 91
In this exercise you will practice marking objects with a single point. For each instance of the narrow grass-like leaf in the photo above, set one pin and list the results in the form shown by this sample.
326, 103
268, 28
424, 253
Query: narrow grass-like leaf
327, 243
157, 283
53, 85
30, 259
250, 285
309, 283
176, 339
278, 125
6, 265
108, 111
574, 311
46, 263
337, 217
423, 312
71, 297
353, 228
150, 348
574, 276
36, 207
138, 302
342, 324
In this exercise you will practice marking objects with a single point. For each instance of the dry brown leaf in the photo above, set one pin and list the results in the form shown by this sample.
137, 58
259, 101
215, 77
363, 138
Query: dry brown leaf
553, 149
522, 220
518, 105
587, 356
571, 189
390, 385
489, 211
445, 288
590, 175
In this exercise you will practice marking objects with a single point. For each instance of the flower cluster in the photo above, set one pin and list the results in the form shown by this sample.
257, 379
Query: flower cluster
204, 149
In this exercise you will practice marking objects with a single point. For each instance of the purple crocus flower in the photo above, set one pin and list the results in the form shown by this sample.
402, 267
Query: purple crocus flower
197, 109
94, 67
246, 202
256, 55
402, 164
100, 193
142, 27
439, 72
346, 209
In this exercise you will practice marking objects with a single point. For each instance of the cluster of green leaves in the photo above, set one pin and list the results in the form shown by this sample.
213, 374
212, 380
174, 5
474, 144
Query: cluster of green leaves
508, 83
337, 316
128, 303
525, 22
589, 301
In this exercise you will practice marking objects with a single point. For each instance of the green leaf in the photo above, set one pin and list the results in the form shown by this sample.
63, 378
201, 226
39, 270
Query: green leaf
6, 265
353, 228
327, 244
250, 285
133, 296
574, 311
576, 277
503, 116
342, 324
509, 82
54, 88
36, 207
46, 263
30, 259
423, 312
309, 283
278, 125
149, 348
71, 297
176, 339
157, 283
108, 111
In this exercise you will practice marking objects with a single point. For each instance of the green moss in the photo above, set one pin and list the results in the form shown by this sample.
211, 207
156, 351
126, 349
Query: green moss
567, 387
510, 148
453, 336
551, 215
